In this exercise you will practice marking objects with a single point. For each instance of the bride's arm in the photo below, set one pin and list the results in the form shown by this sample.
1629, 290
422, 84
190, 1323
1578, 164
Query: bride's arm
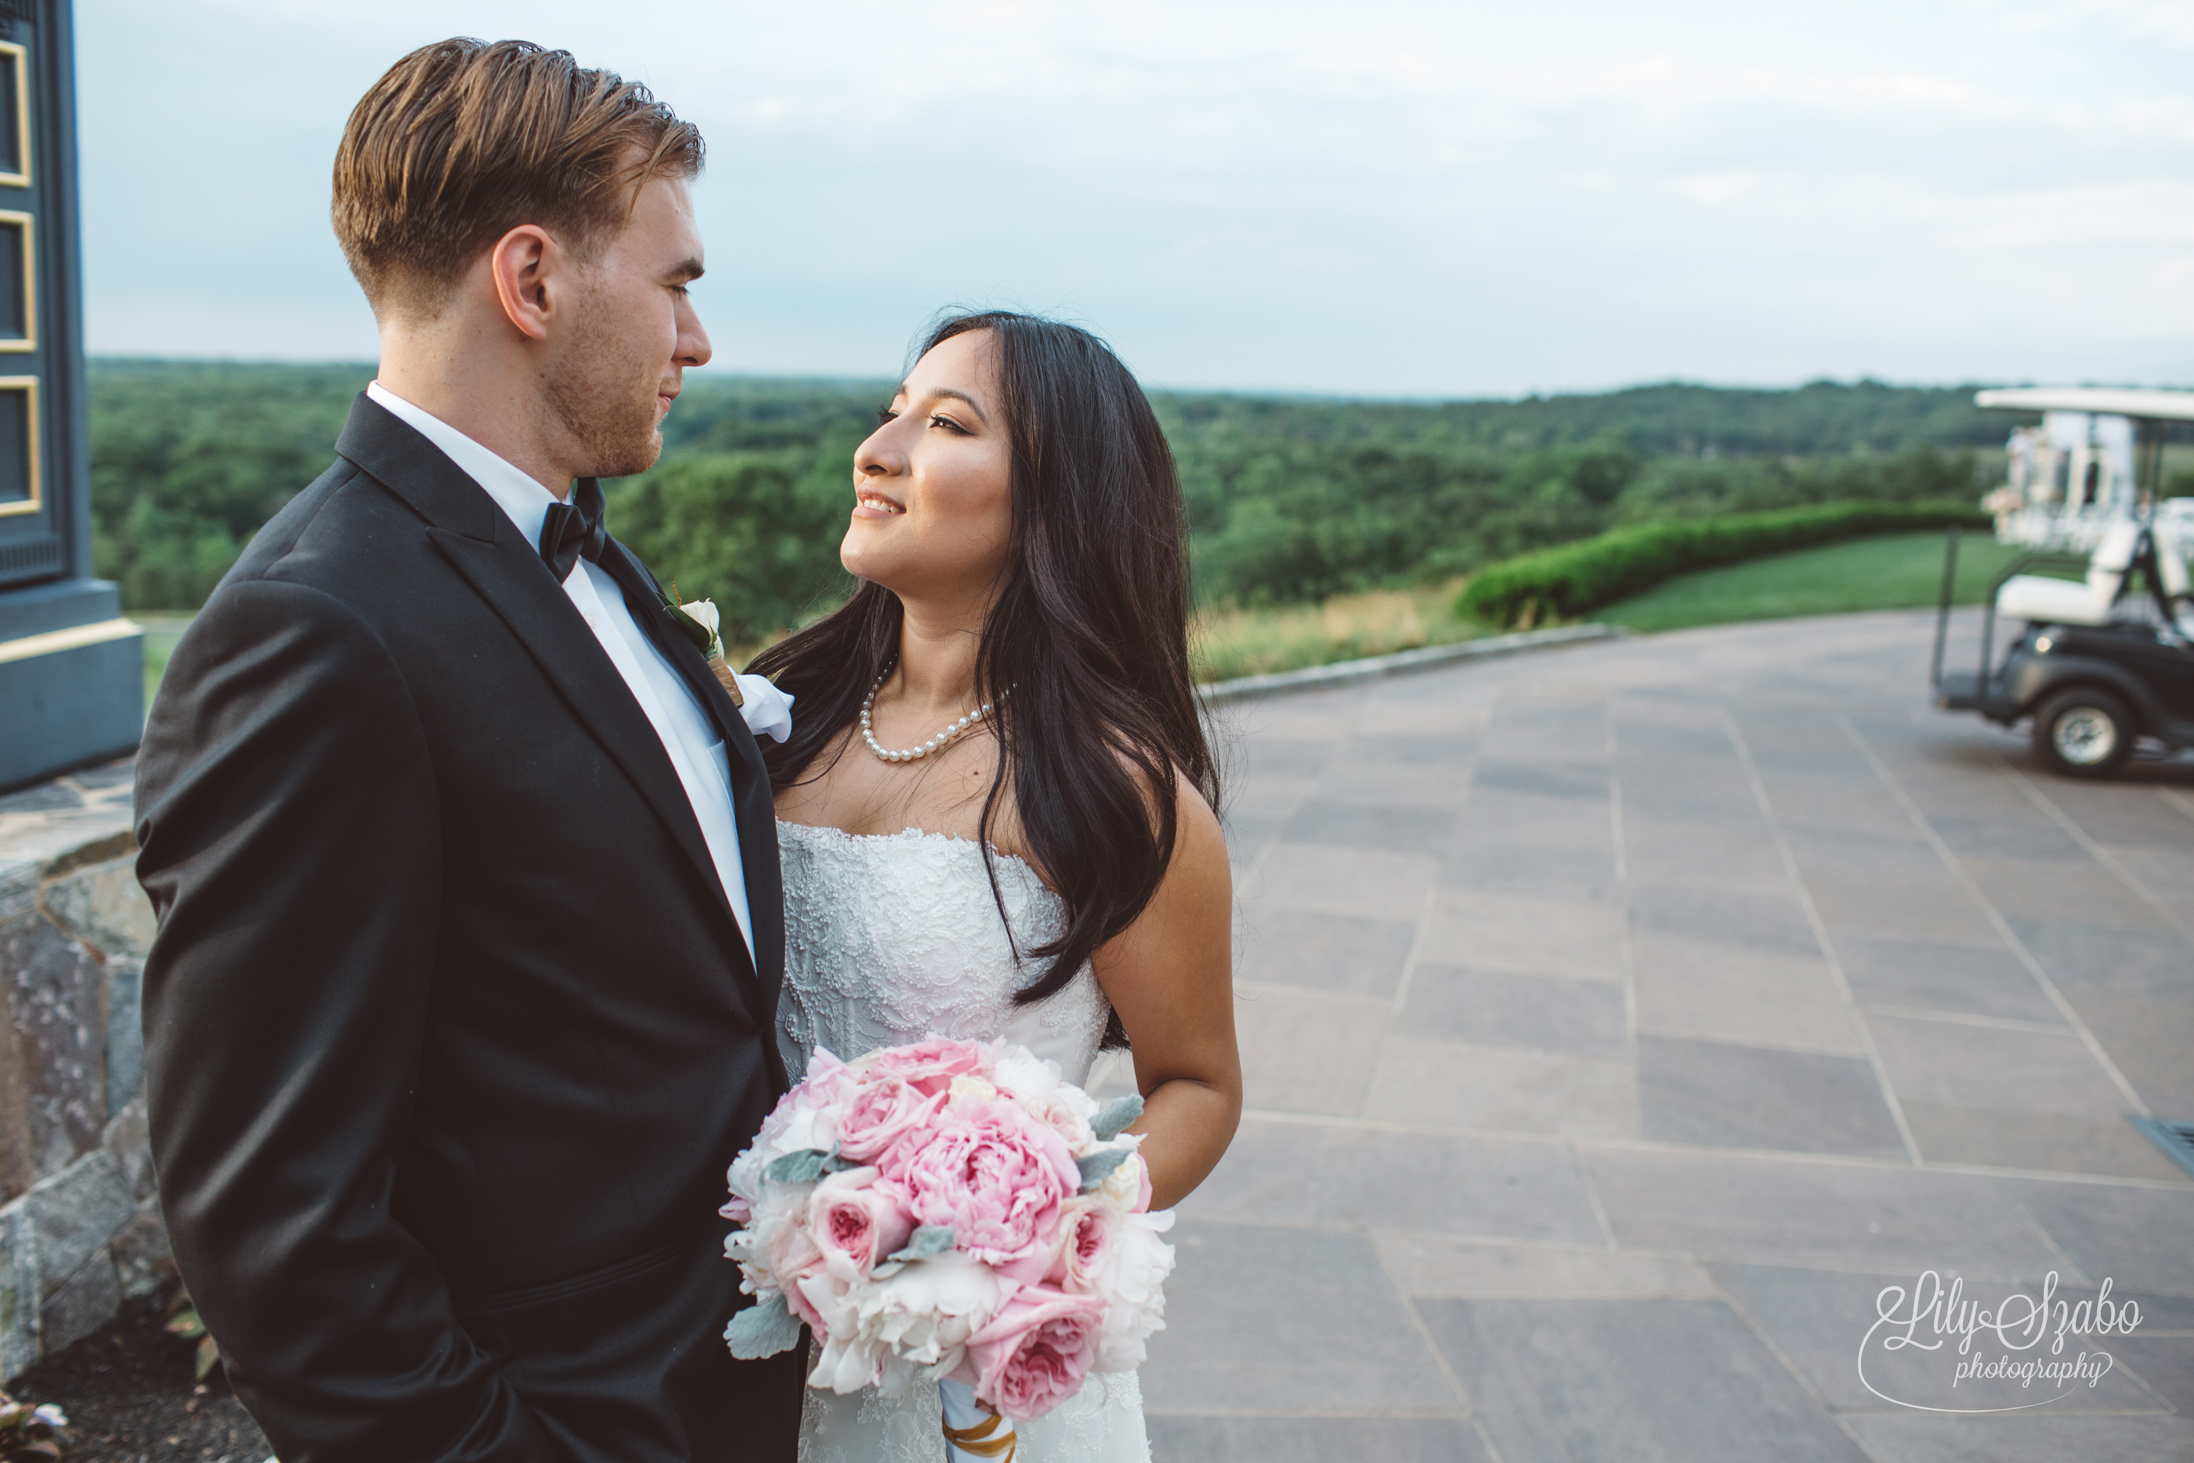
1170, 975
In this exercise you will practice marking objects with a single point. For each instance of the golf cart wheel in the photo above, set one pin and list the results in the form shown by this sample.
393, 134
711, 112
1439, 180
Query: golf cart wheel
2084, 733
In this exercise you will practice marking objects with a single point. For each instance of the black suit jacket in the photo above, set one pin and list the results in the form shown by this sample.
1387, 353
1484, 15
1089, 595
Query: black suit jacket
450, 1032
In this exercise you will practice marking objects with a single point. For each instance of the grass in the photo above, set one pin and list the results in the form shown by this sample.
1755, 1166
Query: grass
1227, 643
161, 633
1891, 571
1884, 572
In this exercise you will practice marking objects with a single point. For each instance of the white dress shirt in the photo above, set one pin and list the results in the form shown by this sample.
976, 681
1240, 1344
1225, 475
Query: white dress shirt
689, 738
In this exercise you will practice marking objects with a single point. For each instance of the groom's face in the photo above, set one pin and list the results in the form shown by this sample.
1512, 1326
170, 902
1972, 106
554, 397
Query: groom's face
616, 369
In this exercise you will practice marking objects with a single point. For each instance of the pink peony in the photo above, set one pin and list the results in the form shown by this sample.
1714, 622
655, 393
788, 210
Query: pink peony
793, 1257
1034, 1354
854, 1225
995, 1175
805, 1117
1039, 1087
929, 1066
1055, 1111
879, 1113
1086, 1225
827, 1077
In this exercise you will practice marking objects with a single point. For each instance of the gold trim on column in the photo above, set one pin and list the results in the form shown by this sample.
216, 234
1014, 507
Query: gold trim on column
29, 340
28, 385
15, 56
73, 638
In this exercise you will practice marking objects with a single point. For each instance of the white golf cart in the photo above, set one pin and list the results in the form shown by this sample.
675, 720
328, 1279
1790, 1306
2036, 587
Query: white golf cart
2100, 669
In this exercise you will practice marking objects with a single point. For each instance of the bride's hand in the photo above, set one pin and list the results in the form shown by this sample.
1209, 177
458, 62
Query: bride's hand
1170, 976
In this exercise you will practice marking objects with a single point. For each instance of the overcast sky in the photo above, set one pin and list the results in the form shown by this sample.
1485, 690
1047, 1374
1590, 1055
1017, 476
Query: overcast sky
1386, 197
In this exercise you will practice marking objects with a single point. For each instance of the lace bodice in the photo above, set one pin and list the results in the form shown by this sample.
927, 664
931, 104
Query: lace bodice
897, 937
891, 939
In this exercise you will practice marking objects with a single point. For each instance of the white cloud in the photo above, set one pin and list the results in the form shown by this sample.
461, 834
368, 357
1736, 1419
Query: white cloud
1400, 195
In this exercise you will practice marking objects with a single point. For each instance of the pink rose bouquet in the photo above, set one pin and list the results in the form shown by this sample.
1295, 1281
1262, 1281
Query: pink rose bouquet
954, 1211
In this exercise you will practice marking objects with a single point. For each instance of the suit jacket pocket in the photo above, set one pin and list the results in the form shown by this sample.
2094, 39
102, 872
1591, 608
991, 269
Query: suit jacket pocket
569, 1289
623, 1361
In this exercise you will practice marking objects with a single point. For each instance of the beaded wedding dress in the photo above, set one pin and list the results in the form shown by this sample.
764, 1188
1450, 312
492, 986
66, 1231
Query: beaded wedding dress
891, 939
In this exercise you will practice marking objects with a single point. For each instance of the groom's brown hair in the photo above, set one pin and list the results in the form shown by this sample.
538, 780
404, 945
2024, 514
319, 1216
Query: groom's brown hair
463, 141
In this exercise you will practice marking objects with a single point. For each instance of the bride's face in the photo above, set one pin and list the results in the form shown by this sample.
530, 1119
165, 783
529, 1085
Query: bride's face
933, 509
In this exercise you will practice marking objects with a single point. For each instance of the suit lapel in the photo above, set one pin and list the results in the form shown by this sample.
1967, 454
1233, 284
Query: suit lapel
518, 586
484, 546
753, 799
644, 597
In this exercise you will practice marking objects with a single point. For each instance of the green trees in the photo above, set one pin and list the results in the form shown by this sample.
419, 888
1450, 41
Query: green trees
1287, 521
1679, 487
1283, 522
1290, 499
188, 459
757, 532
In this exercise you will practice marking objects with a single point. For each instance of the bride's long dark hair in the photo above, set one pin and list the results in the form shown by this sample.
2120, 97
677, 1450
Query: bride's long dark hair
1090, 629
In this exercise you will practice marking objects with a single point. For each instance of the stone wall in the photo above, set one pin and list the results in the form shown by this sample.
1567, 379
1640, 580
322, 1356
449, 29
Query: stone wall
80, 1228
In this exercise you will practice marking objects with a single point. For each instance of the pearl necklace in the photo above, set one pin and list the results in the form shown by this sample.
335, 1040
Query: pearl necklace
936, 743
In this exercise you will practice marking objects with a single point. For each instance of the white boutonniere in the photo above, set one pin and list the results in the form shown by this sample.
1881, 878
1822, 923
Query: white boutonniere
703, 626
702, 613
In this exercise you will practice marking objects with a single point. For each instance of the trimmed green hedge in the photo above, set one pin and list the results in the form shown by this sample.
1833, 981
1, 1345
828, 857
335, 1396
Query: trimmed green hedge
1570, 579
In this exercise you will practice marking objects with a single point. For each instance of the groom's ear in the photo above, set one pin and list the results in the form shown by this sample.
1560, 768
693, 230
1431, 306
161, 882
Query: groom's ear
447, 155
527, 268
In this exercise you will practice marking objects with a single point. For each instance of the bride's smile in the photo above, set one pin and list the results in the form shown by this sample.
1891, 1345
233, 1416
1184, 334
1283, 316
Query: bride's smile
933, 502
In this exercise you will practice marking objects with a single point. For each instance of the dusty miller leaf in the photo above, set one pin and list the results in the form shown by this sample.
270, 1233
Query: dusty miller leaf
1117, 1114
1098, 1166
804, 1167
763, 1329
930, 1239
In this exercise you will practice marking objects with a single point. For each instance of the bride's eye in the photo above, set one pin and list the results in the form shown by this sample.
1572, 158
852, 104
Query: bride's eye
884, 415
940, 420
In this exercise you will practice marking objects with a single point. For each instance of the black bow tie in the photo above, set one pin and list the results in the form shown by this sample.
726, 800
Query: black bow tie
573, 531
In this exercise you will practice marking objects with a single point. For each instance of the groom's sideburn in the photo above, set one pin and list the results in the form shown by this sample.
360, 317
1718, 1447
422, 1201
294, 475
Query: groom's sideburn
451, 1032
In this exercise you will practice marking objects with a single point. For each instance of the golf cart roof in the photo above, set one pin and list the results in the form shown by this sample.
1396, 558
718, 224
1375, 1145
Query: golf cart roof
2168, 406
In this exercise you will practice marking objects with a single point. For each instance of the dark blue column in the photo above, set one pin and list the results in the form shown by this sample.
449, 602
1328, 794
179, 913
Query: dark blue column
71, 668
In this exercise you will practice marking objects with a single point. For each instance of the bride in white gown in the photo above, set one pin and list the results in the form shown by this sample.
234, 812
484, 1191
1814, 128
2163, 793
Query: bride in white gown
995, 810
890, 938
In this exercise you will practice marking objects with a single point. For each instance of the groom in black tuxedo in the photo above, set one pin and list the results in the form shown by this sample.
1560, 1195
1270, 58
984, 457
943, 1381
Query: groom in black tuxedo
470, 925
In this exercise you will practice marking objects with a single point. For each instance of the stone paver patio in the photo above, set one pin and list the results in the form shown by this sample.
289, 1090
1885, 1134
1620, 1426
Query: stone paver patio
1620, 1020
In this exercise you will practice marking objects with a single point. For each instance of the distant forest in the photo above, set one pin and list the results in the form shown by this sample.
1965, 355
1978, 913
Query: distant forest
1290, 498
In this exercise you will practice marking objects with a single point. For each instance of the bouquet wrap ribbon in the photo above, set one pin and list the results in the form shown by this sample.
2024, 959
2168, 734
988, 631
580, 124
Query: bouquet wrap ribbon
993, 1437
981, 1434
